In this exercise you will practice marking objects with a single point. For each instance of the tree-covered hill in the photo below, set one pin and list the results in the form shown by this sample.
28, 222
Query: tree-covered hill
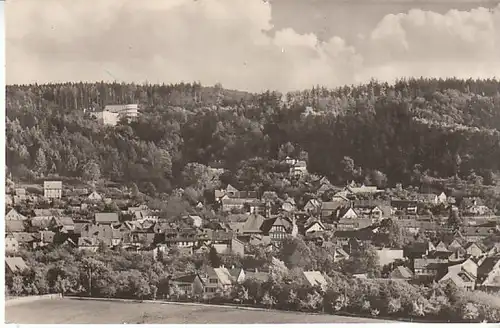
415, 128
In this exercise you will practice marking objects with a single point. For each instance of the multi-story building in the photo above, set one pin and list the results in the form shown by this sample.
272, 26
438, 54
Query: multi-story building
52, 189
113, 113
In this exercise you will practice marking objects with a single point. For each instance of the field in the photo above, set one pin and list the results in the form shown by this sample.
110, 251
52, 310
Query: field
70, 311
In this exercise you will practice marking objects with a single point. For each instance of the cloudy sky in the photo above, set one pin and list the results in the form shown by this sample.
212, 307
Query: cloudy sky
250, 44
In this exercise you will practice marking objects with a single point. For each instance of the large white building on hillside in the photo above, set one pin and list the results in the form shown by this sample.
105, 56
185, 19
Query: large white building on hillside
113, 113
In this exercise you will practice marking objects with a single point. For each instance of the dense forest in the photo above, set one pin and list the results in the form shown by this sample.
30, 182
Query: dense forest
409, 131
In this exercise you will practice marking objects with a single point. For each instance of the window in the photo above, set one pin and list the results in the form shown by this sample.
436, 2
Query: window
213, 281
210, 290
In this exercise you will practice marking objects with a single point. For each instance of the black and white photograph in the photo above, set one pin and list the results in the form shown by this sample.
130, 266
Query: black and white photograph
252, 161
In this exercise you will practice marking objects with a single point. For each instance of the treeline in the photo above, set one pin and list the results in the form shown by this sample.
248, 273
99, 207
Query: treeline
413, 129
137, 276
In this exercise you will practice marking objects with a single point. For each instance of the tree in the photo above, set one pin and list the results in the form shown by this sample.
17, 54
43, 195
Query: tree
455, 221
268, 300
295, 253
214, 258
17, 285
40, 162
91, 171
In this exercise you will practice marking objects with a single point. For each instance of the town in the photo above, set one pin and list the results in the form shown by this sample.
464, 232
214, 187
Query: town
420, 238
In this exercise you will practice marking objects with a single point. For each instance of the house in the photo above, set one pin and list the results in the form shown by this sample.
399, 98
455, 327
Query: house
353, 190
462, 274
252, 225
339, 254
387, 256
14, 265
14, 216
427, 267
475, 234
88, 244
477, 210
104, 233
352, 225
474, 250
277, 228
40, 223
346, 213
63, 224
431, 199
315, 278
20, 194
488, 273
401, 273
189, 285
217, 279
329, 209
185, 238
11, 243
8, 200
442, 198
312, 206
52, 189
233, 246
288, 205
406, 206
106, 218
314, 226
231, 191
15, 226
298, 168
324, 187
43, 239
461, 279
237, 274
197, 220
95, 197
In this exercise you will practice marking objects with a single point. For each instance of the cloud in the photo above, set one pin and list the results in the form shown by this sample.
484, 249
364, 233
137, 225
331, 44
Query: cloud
233, 42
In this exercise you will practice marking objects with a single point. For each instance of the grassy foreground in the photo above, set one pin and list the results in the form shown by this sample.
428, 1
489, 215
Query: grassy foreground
71, 311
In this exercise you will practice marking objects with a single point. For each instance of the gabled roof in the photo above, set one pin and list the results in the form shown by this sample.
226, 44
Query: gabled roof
231, 189
312, 223
315, 278
278, 221
16, 264
313, 202
106, 217
14, 215
222, 274
87, 242
190, 278
402, 271
23, 237
253, 223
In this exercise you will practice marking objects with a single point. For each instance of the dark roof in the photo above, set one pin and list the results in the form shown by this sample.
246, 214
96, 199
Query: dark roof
484, 269
190, 278
278, 221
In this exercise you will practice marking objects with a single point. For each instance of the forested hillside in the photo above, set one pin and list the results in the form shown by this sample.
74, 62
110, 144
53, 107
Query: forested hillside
409, 131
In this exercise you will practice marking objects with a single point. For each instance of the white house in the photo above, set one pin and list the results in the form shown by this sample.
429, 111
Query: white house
52, 189
94, 196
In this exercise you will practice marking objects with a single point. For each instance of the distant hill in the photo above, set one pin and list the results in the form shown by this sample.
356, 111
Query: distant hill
413, 129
